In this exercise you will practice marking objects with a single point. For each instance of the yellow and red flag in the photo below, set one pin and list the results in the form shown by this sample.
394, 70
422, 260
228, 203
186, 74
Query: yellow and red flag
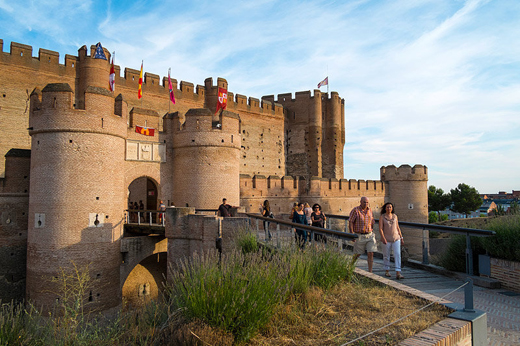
145, 130
222, 99
140, 91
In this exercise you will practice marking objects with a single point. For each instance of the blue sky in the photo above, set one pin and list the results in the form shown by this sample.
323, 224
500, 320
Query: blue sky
433, 82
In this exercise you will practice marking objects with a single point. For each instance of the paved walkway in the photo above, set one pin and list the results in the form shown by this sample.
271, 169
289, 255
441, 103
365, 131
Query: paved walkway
502, 306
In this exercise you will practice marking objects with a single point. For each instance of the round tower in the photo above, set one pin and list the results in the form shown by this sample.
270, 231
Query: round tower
77, 195
211, 95
206, 156
333, 146
92, 73
407, 189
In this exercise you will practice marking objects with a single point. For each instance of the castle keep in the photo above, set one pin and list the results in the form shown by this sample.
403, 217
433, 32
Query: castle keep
74, 161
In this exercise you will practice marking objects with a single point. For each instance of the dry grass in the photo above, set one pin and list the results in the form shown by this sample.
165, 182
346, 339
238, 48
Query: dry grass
333, 318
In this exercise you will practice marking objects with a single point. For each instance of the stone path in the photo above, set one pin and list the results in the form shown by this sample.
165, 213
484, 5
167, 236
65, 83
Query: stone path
502, 306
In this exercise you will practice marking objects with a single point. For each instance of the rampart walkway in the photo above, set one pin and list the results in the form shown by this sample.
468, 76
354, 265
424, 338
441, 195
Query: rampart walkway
502, 306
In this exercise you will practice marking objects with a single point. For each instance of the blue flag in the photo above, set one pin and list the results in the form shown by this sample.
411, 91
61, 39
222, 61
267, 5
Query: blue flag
100, 54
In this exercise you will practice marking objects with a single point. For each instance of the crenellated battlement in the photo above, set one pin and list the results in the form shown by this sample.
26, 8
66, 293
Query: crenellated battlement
239, 102
53, 109
404, 172
47, 60
288, 186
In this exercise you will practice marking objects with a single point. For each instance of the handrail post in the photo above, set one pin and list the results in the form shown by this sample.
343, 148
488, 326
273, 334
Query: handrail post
469, 255
257, 228
278, 235
138, 217
425, 247
468, 296
150, 218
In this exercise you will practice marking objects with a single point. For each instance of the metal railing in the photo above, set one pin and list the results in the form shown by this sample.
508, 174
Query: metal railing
144, 217
340, 236
468, 232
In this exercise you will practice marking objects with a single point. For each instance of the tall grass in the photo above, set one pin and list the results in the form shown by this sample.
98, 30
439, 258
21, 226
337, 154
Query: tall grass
237, 293
242, 292
506, 243
240, 295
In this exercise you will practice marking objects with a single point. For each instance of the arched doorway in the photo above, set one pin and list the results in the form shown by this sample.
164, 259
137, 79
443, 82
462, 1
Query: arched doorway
143, 189
145, 281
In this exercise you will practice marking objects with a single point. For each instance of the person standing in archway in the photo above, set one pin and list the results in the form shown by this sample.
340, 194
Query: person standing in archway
361, 222
162, 209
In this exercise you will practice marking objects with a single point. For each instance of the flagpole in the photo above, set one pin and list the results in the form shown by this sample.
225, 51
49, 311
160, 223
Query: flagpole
328, 80
169, 71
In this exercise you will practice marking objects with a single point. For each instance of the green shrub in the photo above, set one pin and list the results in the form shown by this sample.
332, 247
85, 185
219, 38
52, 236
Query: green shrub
330, 267
238, 295
15, 326
454, 258
246, 241
506, 243
433, 217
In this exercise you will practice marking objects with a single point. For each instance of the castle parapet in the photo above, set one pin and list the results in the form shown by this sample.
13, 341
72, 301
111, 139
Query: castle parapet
55, 111
404, 172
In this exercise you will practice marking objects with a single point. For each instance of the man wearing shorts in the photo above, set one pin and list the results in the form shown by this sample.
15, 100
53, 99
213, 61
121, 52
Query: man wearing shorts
361, 222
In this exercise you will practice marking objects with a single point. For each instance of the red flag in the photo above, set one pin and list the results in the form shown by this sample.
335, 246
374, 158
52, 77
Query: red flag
112, 78
170, 86
222, 99
145, 130
140, 91
323, 82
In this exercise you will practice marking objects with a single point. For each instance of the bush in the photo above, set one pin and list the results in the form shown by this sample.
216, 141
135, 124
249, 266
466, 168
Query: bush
239, 294
454, 258
330, 267
246, 241
506, 243
433, 217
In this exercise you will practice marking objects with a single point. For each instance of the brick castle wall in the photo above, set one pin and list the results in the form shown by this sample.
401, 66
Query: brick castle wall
507, 272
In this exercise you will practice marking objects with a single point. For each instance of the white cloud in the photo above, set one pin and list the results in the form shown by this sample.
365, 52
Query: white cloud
433, 82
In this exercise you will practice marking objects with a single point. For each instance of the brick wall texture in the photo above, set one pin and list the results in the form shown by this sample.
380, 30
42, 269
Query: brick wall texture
507, 272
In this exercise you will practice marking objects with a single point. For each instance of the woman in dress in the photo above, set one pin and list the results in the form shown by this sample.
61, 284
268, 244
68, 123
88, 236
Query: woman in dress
299, 217
392, 238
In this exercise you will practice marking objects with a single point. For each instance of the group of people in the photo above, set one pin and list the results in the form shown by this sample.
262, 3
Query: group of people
134, 215
361, 222
303, 213
136, 211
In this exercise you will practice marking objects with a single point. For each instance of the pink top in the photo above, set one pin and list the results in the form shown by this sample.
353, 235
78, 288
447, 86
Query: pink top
390, 228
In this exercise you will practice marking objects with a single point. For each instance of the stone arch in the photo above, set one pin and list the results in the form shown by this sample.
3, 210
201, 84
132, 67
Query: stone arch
144, 268
146, 281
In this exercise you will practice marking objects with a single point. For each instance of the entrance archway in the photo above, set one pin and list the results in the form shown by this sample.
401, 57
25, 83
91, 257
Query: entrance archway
143, 189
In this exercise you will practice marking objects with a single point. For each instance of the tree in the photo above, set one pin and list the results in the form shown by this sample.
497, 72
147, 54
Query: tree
514, 208
433, 217
465, 199
500, 210
437, 200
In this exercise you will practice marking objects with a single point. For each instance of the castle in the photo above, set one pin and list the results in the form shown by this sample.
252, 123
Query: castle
73, 162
